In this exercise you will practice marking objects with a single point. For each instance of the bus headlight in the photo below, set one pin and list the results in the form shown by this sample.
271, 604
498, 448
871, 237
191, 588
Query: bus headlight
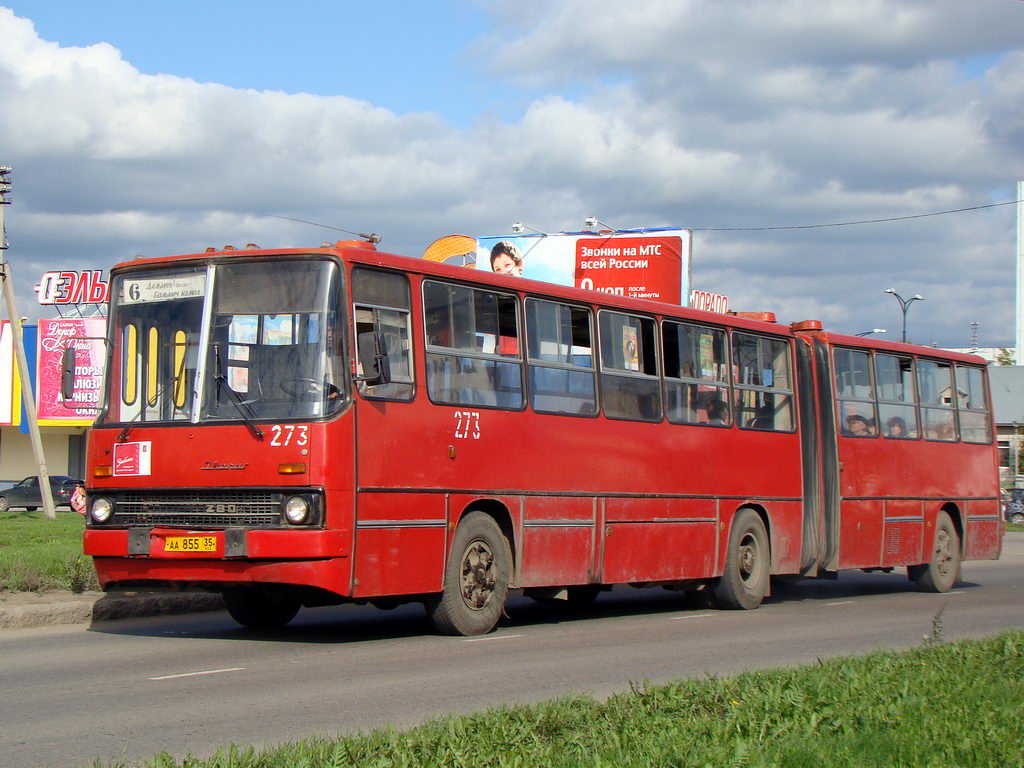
101, 510
296, 510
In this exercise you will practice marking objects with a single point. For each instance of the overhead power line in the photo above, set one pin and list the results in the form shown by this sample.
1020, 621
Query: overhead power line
853, 223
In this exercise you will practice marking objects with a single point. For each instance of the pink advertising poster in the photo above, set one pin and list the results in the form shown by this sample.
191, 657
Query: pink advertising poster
85, 335
8, 389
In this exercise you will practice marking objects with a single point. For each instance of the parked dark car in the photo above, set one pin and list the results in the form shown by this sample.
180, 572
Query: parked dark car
1013, 505
27, 493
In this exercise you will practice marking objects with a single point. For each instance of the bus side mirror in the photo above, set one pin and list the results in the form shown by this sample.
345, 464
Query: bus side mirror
373, 358
67, 373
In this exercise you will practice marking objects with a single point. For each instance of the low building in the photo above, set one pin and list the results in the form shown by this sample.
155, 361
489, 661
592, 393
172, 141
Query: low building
1007, 382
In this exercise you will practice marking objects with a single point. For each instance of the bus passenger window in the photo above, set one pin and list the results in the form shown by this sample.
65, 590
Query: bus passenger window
381, 308
935, 388
897, 409
855, 393
472, 339
763, 385
696, 374
972, 405
561, 359
630, 387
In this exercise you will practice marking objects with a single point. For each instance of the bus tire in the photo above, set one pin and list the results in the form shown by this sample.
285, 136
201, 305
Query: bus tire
942, 572
257, 609
475, 581
744, 582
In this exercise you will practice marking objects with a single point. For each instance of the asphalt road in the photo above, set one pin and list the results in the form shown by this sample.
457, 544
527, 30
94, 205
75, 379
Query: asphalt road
128, 689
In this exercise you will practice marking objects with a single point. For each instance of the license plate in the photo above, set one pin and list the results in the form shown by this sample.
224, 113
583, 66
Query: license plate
190, 544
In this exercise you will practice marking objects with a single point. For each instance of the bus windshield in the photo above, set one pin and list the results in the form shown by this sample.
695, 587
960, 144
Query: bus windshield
247, 340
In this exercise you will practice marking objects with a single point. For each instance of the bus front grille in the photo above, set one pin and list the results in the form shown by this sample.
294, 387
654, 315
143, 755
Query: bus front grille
199, 508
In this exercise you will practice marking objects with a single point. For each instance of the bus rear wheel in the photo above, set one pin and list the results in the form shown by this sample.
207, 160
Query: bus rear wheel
257, 609
744, 583
475, 581
942, 572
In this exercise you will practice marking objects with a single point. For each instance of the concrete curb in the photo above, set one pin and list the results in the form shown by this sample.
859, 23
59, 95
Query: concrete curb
25, 610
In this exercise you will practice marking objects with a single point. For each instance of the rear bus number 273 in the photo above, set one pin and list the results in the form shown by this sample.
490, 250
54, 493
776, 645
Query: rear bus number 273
467, 425
288, 434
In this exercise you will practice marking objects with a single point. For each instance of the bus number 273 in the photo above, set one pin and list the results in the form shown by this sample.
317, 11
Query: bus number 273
467, 424
288, 434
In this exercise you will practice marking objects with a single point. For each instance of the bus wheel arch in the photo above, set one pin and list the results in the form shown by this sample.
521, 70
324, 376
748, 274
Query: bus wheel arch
945, 553
744, 582
477, 576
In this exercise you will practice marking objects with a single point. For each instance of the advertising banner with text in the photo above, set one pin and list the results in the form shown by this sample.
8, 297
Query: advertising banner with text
646, 264
9, 390
85, 334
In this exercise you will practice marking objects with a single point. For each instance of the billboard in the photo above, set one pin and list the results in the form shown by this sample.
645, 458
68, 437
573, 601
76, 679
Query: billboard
71, 286
10, 391
85, 334
643, 263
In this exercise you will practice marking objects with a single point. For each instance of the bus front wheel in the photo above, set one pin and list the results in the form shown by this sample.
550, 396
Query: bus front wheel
475, 580
744, 583
258, 609
942, 572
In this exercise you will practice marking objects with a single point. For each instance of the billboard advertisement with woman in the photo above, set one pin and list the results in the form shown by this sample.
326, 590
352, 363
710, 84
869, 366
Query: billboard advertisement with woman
645, 264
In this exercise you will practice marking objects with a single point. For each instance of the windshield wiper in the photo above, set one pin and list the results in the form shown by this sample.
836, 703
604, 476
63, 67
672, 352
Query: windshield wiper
242, 406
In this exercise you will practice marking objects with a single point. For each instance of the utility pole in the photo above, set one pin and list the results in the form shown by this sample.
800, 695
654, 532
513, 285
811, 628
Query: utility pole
1019, 351
19, 352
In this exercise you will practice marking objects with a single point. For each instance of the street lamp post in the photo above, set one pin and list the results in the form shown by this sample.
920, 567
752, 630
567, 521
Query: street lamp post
904, 306
873, 330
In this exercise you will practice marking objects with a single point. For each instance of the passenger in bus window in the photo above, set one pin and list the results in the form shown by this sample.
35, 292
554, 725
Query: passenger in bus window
506, 259
857, 426
943, 431
718, 412
896, 428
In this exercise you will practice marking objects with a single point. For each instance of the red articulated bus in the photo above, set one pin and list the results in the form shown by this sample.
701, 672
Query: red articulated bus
315, 426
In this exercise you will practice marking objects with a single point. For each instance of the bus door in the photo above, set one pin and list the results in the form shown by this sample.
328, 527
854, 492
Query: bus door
400, 528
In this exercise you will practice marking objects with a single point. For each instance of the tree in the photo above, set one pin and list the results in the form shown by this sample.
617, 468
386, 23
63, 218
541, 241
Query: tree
1005, 357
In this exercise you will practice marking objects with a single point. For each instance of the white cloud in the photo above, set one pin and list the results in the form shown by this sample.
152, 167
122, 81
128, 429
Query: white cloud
704, 113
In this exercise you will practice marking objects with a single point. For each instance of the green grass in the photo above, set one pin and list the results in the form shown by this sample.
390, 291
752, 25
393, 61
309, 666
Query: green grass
37, 554
959, 704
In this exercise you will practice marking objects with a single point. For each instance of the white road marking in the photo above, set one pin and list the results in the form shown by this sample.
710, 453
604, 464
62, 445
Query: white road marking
197, 674
695, 616
841, 602
494, 637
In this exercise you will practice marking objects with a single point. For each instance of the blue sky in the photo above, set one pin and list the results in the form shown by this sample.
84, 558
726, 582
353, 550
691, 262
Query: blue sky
162, 127
324, 47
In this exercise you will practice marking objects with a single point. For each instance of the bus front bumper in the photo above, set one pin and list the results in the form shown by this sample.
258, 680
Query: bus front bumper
314, 558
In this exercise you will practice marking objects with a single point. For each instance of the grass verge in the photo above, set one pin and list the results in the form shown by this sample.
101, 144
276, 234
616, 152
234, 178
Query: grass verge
940, 704
37, 554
